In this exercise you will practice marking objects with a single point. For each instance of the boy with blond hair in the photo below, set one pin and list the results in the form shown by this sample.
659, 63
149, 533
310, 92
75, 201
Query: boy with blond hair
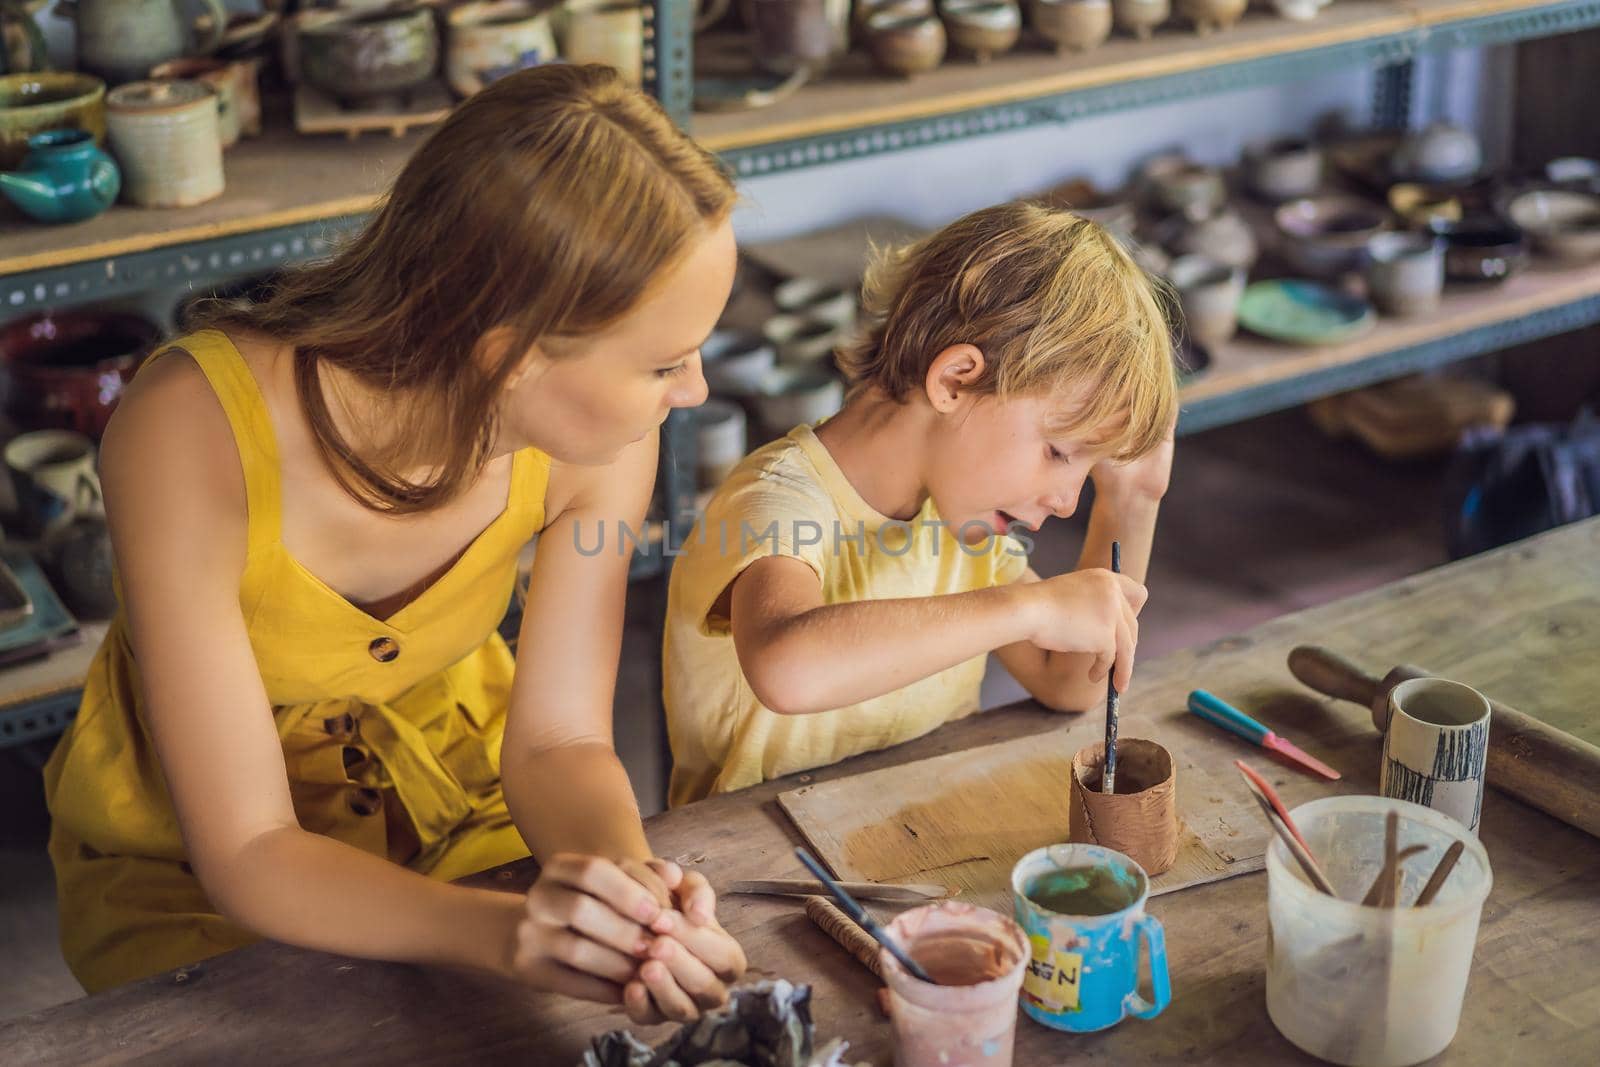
846, 582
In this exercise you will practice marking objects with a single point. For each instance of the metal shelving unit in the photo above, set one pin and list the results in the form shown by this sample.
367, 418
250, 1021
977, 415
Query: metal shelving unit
1242, 58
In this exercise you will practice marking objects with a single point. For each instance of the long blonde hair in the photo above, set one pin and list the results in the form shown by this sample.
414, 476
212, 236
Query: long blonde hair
547, 203
1051, 299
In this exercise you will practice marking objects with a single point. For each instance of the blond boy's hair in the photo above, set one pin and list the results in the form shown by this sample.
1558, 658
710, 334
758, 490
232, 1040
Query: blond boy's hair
1052, 300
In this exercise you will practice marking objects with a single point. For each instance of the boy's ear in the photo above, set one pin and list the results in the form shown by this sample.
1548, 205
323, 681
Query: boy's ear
951, 375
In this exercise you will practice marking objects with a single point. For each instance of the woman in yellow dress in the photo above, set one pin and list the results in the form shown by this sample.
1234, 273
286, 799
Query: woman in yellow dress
302, 723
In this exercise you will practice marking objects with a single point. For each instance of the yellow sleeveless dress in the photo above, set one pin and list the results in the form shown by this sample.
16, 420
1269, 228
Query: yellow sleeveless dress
391, 728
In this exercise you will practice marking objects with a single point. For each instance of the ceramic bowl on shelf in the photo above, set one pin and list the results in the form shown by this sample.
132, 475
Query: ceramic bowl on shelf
817, 299
47, 100
905, 45
1209, 15
1324, 236
1302, 312
1178, 184
1140, 17
794, 395
735, 364
1071, 25
1574, 171
67, 369
1208, 292
1422, 205
1405, 272
801, 339
1283, 169
1564, 224
1440, 153
366, 57
1482, 248
985, 28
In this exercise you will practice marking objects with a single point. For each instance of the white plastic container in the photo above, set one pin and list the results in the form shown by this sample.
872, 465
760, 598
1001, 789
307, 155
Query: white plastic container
1365, 986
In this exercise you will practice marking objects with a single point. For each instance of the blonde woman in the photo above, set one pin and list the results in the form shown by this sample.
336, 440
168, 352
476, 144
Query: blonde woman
302, 723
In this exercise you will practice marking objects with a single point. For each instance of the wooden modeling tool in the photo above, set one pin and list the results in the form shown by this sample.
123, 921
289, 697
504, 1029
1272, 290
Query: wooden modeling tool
1288, 834
860, 915
803, 887
1108, 777
1530, 760
1218, 712
1264, 787
1386, 876
1436, 880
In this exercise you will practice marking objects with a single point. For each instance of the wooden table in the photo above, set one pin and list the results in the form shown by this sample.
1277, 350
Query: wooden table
1522, 623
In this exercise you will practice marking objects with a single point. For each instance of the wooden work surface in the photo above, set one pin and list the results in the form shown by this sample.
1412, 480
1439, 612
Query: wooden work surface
1521, 622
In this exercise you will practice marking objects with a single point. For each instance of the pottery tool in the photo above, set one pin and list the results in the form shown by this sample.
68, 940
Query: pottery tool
1284, 827
1436, 880
849, 936
1219, 712
803, 887
860, 915
1375, 892
1108, 777
1530, 760
1263, 787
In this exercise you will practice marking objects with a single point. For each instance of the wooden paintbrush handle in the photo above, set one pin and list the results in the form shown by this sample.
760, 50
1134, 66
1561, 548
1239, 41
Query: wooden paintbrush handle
839, 926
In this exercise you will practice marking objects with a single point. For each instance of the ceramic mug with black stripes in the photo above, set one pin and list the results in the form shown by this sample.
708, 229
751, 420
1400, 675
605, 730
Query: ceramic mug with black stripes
1436, 747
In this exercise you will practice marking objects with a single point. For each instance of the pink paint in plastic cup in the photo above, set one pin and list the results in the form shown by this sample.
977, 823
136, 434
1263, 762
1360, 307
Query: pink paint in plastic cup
969, 1019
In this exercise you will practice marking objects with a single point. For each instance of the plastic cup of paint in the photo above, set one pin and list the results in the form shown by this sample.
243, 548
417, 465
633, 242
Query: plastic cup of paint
1366, 986
969, 1018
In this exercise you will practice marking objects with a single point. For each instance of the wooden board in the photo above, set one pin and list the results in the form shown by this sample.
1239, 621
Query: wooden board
966, 818
317, 112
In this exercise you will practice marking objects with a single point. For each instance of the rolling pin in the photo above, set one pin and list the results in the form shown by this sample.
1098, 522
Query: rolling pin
1533, 761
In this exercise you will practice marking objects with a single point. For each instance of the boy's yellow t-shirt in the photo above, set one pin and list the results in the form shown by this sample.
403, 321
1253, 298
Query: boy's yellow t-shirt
790, 498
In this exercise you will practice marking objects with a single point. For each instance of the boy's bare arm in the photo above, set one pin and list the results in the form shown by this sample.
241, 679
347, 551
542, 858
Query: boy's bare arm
801, 655
1127, 502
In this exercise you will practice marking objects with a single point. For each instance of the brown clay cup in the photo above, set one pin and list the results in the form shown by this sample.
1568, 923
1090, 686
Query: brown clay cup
1140, 819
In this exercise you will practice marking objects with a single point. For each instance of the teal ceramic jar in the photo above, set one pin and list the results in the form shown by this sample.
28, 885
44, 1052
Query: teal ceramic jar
65, 177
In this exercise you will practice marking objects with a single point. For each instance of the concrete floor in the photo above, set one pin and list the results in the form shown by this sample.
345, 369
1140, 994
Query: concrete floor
1264, 518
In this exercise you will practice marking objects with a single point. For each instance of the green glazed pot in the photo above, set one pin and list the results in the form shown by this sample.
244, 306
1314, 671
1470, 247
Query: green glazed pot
65, 178
47, 100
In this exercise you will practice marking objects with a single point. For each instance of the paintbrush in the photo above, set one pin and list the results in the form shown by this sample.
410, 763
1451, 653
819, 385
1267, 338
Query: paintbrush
805, 887
1108, 778
862, 918
1447, 863
1288, 834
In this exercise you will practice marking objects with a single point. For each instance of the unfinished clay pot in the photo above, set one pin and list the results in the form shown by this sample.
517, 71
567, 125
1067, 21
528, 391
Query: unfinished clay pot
1208, 15
1140, 819
1071, 25
905, 44
1141, 17
985, 28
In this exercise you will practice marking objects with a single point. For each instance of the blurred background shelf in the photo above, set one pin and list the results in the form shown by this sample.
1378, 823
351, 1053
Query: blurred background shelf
854, 112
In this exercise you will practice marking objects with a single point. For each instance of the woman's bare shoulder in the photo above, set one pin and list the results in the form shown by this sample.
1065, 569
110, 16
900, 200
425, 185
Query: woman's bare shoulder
170, 427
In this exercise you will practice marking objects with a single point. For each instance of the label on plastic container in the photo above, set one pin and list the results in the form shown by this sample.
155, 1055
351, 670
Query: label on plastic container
1051, 980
